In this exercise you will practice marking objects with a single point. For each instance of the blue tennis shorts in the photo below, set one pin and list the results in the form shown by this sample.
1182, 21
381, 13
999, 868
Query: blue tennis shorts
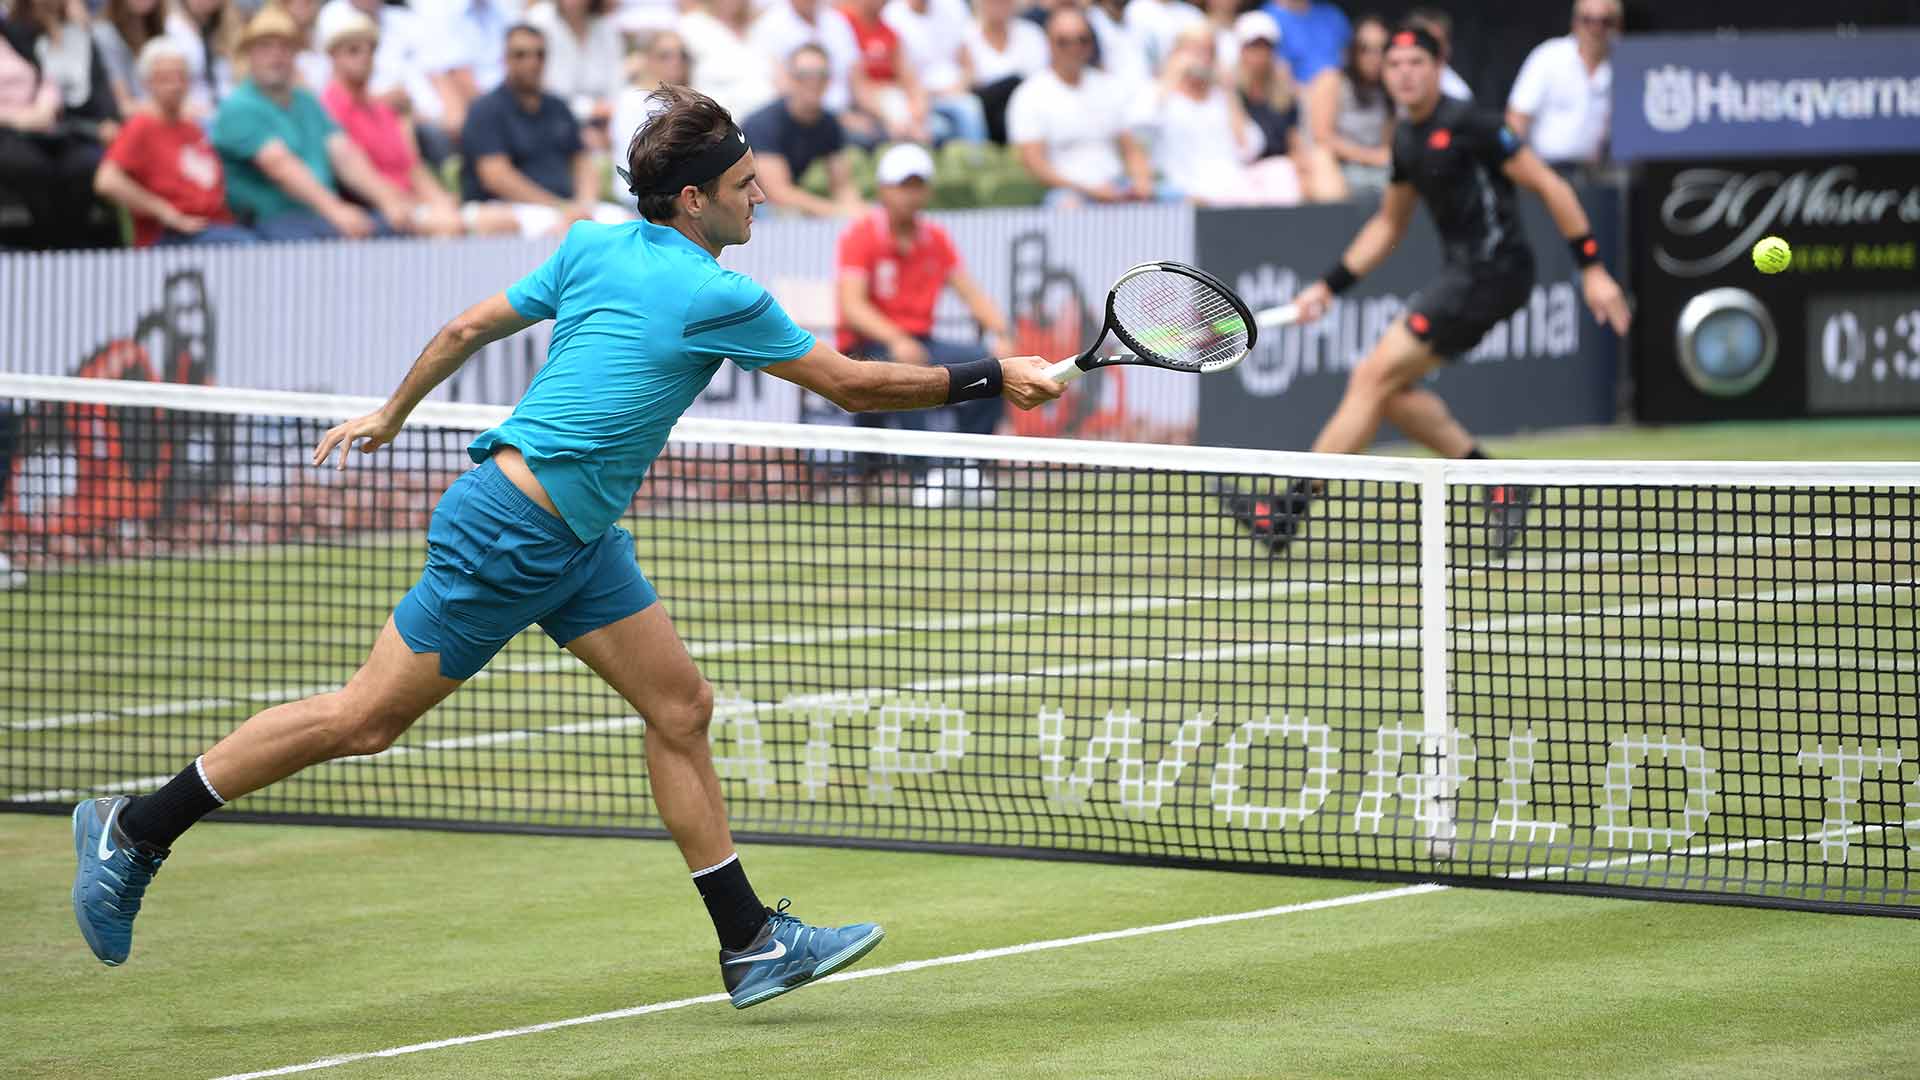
497, 563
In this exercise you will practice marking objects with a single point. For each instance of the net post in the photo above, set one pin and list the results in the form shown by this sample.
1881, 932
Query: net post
1439, 777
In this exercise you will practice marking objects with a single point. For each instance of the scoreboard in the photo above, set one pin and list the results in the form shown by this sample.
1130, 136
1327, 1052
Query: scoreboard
1835, 334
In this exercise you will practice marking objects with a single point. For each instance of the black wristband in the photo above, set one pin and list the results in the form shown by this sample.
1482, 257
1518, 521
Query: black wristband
1586, 250
1339, 279
973, 380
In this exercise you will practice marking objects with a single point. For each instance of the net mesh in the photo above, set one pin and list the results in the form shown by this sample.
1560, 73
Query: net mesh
1701, 690
1179, 321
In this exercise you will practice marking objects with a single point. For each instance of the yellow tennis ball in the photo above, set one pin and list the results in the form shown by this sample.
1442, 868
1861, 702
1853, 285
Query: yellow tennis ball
1772, 255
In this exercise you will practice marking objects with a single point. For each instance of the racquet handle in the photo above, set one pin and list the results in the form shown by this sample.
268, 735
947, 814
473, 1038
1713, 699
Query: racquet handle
1066, 370
1284, 315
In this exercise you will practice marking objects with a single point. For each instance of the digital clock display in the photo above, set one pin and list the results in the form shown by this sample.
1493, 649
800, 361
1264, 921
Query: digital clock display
1863, 352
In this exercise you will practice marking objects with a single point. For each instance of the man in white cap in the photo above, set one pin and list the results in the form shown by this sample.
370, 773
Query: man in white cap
893, 264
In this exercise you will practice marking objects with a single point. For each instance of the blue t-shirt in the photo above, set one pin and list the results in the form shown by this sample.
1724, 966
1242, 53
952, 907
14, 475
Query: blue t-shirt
541, 144
642, 319
1313, 42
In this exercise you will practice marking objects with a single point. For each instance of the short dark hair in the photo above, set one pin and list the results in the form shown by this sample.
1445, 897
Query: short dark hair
1436, 22
526, 28
813, 47
688, 123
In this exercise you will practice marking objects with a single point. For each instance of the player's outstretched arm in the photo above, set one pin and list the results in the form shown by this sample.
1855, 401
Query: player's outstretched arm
1371, 246
472, 330
1603, 294
879, 386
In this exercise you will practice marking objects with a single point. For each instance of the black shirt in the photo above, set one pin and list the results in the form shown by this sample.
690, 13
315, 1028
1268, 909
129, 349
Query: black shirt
774, 130
1454, 160
1273, 124
541, 144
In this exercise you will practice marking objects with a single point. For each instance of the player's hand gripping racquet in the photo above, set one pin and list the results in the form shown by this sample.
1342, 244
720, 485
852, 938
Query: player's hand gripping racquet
1169, 315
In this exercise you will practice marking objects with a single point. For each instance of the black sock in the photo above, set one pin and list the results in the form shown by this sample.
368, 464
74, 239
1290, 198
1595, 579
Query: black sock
1477, 454
159, 819
737, 913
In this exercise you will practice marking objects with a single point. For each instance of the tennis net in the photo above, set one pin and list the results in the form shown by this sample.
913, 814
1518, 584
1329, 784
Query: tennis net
1685, 681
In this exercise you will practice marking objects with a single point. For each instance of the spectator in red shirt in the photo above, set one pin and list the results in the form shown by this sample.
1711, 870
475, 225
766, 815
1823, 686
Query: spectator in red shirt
161, 166
887, 97
349, 38
893, 265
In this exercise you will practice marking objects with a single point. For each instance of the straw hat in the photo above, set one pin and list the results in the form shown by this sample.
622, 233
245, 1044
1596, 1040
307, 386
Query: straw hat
270, 22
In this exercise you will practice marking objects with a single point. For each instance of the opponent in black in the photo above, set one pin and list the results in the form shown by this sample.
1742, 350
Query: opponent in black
1465, 164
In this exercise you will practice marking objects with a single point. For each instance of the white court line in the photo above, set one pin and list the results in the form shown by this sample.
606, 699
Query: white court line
818, 636
1101, 606
1792, 656
1708, 851
869, 973
1041, 946
1401, 638
63, 794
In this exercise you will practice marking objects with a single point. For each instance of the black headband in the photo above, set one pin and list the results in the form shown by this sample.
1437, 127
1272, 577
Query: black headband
697, 169
1417, 36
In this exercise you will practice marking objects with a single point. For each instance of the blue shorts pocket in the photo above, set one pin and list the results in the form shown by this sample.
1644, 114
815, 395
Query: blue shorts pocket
465, 527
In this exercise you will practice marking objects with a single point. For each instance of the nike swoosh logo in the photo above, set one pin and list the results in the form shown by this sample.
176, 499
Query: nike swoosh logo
779, 950
981, 381
105, 852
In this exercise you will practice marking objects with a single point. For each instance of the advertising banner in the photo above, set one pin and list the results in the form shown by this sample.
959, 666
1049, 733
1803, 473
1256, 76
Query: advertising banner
349, 318
1689, 96
1837, 332
1549, 365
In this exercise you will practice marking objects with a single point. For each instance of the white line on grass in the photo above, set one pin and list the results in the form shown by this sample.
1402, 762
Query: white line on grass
63, 794
1058, 943
869, 973
1492, 634
776, 639
1120, 606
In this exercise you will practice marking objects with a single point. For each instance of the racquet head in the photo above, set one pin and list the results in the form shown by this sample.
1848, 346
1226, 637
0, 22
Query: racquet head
1175, 316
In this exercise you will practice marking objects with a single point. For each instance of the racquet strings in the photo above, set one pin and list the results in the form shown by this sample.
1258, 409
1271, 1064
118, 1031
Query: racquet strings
1178, 321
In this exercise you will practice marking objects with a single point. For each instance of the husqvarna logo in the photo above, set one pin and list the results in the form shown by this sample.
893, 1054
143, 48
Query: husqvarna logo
1669, 99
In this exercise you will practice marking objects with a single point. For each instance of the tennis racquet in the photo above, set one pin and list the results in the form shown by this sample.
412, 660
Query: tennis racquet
1168, 315
1274, 318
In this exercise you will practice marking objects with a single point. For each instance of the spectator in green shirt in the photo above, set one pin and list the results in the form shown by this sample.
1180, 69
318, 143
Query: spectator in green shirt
283, 153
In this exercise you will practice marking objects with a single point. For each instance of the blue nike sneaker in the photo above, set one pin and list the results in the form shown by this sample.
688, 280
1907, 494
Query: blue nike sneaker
789, 954
113, 876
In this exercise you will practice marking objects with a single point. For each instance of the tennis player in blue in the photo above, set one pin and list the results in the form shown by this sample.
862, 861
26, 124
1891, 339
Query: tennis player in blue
643, 318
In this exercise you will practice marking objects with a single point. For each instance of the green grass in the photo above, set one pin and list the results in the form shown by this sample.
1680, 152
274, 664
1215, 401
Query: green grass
270, 946
1754, 630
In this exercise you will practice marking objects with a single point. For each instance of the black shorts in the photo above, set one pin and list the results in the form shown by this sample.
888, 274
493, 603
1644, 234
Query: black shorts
1456, 311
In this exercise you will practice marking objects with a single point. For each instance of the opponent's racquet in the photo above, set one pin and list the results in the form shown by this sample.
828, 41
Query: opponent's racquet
1169, 315
1274, 318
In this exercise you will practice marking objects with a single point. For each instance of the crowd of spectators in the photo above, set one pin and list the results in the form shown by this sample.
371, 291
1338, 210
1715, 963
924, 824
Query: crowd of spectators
236, 121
